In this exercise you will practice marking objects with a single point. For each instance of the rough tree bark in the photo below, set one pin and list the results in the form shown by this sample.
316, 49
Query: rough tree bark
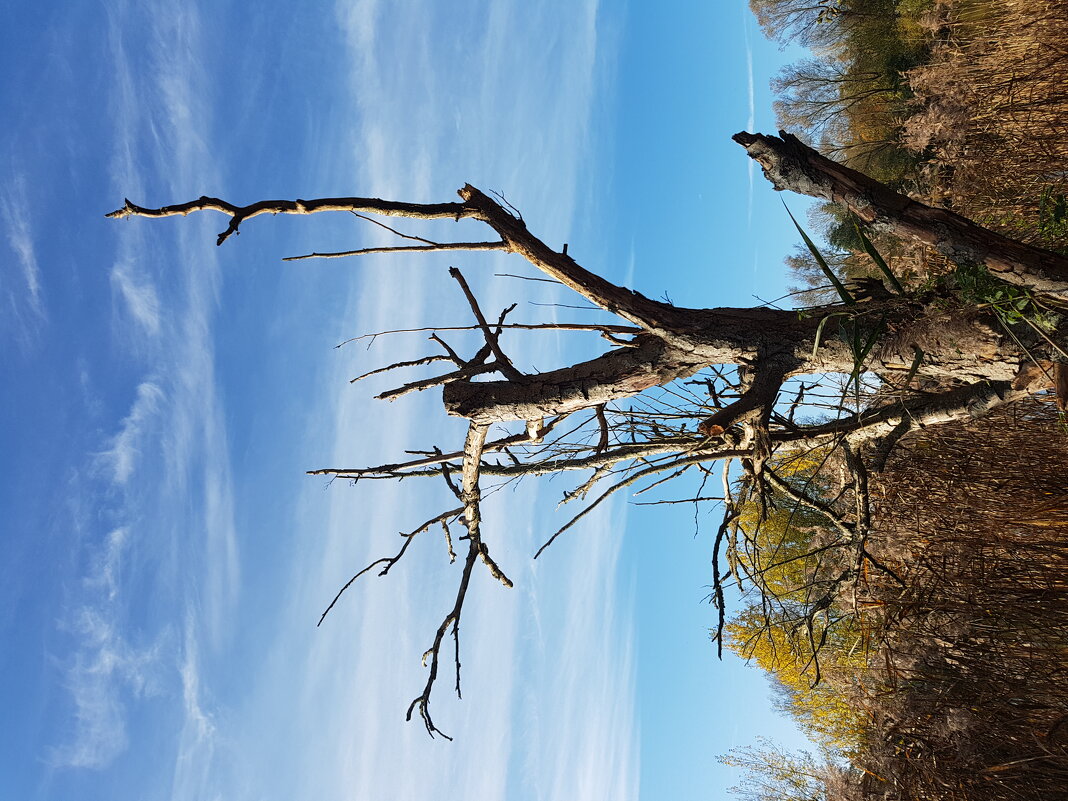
979, 359
790, 164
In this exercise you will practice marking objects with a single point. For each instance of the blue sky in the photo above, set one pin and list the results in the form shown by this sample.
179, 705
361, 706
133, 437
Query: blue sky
165, 558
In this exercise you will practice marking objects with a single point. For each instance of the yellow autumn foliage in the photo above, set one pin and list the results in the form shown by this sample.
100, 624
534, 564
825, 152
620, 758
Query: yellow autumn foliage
812, 652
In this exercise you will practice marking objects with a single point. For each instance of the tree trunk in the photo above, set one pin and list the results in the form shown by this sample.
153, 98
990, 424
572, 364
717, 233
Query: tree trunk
790, 164
960, 344
957, 342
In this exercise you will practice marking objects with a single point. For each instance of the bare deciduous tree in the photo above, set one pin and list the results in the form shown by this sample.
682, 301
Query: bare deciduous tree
726, 367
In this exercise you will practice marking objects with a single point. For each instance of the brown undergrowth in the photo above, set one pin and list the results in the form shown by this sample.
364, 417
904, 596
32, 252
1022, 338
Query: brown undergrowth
946, 676
977, 122
974, 662
964, 675
990, 113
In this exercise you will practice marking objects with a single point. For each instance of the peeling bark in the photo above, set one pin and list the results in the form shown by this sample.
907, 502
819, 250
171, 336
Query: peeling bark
617, 374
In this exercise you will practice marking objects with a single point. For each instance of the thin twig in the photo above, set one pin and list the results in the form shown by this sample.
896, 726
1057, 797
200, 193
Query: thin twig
391, 229
433, 381
614, 329
528, 278
398, 365
389, 561
470, 246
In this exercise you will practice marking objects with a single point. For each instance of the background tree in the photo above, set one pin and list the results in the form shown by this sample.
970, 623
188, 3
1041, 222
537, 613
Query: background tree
809, 23
769, 773
851, 106
793, 622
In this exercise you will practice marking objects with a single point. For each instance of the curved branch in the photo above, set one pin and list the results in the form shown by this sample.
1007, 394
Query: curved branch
389, 561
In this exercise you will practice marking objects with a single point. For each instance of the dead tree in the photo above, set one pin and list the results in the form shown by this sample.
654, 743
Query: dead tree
740, 359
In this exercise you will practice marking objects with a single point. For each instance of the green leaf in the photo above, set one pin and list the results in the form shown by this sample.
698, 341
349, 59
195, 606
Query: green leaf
1060, 209
843, 293
877, 258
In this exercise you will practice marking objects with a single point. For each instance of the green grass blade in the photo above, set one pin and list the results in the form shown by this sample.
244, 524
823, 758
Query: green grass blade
843, 293
865, 350
862, 351
819, 332
877, 258
917, 360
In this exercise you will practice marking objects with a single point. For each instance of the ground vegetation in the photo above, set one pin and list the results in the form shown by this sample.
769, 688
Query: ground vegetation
945, 679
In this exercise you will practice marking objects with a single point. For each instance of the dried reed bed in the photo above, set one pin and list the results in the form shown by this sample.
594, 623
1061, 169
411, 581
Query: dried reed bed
992, 109
973, 668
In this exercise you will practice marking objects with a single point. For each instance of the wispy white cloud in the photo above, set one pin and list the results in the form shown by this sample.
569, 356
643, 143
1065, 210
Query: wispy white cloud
750, 124
202, 727
20, 278
139, 295
588, 724
126, 446
166, 104
197, 739
104, 574
105, 672
178, 517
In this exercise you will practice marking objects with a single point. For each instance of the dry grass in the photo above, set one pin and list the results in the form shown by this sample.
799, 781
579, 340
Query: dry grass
967, 685
992, 109
972, 674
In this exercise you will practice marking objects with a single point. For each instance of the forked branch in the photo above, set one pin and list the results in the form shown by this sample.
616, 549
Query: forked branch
472, 518
390, 561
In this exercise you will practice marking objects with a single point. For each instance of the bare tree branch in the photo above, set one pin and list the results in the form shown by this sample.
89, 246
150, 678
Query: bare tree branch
601, 329
433, 246
472, 516
389, 561
238, 214
392, 230
435, 381
397, 365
